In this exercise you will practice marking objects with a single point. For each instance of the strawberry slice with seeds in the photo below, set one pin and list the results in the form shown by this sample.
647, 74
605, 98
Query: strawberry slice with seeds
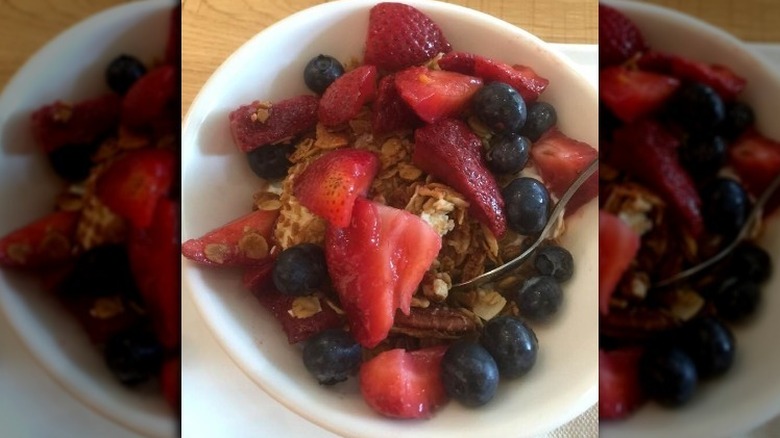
646, 150
297, 329
436, 94
132, 185
329, 185
151, 97
618, 245
404, 384
632, 94
154, 259
522, 78
560, 160
376, 265
390, 112
262, 123
86, 122
451, 152
619, 38
244, 241
345, 97
722, 79
756, 159
620, 392
45, 242
401, 36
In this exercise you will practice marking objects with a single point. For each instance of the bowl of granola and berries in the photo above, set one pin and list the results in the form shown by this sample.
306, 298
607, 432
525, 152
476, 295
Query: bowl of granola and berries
349, 165
688, 145
89, 276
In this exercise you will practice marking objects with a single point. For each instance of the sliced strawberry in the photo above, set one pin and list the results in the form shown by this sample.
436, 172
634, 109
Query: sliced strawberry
390, 112
154, 260
436, 94
560, 160
522, 78
132, 185
150, 97
345, 97
721, 78
618, 245
297, 329
235, 243
401, 36
86, 122
329, 185
646, 150
173, 45
619, 38
45, 242
376, 264
170, 381
632, 94
257, 277
404, 384
460, 62
286, 120
756, 159
452, 153
620, 392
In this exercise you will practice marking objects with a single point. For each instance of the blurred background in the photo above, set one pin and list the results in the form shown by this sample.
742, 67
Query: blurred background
32, 403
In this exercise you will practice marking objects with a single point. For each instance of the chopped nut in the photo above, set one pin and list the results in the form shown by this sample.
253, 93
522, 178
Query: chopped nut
107, 307
489, 303
262, 112
304, 307
329, 140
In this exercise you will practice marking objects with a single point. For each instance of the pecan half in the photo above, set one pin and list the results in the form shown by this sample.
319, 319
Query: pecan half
436, 322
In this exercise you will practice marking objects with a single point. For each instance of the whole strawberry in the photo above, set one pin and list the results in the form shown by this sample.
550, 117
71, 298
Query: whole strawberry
401, 36
619, 38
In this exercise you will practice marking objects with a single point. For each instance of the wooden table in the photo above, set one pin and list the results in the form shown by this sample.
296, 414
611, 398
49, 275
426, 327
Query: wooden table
213, 29
26, 25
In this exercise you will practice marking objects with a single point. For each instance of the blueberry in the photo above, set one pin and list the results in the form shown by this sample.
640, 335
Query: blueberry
539, 298
554, 261
668, 375
750, 262
703, 157
739, 117
122, 73
72, 162
541, 117
736, 299
331, 356
271, 161
527, 204
134, 356
500, 107
512, 344
300, 269
321, 71
710, 344
100, 272
508, 154
699, 108
725, 207
469, 373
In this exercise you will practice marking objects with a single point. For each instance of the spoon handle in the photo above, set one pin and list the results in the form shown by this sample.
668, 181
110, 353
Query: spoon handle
755, 213
499, 271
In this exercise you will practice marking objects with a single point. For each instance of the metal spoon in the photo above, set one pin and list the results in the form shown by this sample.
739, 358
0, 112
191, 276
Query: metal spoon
513, 264
754, 215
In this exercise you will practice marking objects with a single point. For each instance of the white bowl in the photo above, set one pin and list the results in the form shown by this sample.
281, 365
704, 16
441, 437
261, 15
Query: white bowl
218, 186
749, 394
70, 67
